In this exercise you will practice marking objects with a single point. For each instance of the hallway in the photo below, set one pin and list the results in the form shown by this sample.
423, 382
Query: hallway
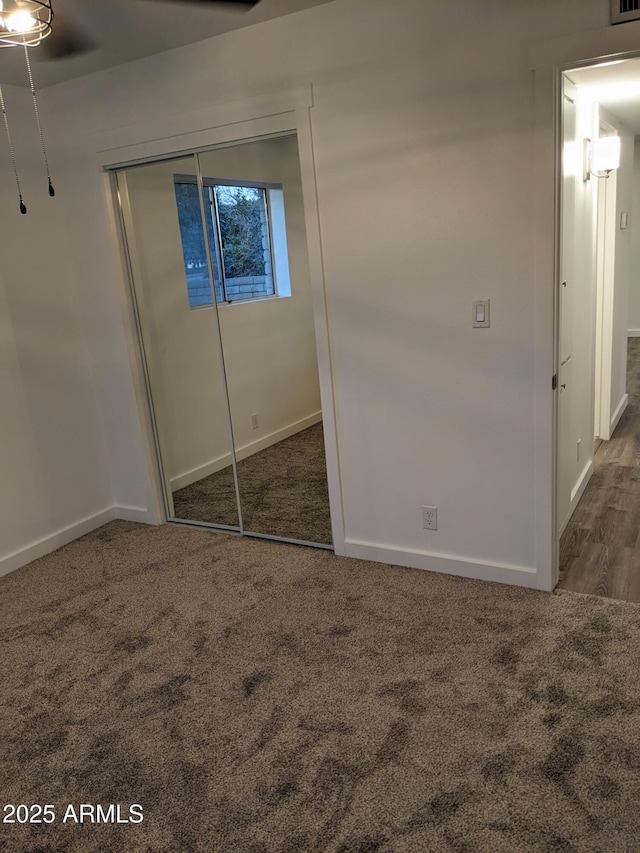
600, 547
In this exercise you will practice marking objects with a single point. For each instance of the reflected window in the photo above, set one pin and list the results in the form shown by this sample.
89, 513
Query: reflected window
247, 238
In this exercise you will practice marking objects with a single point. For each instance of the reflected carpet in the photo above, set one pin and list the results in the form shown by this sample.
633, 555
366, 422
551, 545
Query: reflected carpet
283, 490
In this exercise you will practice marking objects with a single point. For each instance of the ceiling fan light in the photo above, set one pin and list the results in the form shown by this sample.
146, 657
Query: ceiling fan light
25, 25
20, 22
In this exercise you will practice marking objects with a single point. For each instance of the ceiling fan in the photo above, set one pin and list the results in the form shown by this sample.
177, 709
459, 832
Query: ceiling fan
30, 23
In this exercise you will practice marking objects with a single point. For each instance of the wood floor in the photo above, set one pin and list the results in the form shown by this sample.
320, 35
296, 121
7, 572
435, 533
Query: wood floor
600, 548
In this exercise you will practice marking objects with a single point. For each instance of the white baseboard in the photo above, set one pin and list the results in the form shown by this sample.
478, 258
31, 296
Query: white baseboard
477, 569
279, 435
47, 544
633, 333
576, 494
220, 462
200, 472
581, 483
619, 412
55, 540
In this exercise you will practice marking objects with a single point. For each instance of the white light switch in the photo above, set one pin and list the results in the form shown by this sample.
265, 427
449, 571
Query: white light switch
481, 314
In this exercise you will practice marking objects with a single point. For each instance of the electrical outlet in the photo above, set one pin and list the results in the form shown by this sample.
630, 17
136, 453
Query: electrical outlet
254, 422
430, 517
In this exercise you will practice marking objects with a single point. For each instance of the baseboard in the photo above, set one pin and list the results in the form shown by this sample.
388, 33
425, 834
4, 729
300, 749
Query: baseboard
633, 333
476, 569
279, 435
619, 412
220, 462
55, 540
134, 513
61, 537
581, 484
200, 472
576, 494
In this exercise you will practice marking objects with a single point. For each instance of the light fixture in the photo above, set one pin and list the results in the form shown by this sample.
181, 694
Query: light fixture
601, 157
25, 23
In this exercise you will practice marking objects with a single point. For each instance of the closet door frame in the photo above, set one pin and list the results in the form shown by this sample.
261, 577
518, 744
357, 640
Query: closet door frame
229, 124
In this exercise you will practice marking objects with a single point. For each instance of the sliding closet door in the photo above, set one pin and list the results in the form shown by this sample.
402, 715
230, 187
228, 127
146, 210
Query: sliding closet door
254, 193
175, 291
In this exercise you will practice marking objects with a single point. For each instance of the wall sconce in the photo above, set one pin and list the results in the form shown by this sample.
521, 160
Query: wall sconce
601, 157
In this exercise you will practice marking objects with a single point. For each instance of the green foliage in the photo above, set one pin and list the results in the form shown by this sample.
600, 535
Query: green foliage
242, 220
241, 211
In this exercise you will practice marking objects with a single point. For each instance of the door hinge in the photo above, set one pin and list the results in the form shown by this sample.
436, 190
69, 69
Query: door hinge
554, 382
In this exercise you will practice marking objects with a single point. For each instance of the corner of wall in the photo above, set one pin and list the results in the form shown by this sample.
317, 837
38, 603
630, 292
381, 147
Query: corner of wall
42, 547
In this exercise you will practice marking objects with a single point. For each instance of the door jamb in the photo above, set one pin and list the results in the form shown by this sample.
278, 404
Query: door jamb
606, 230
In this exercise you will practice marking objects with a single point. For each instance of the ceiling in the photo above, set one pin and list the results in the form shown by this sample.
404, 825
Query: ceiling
615, 85
125, 30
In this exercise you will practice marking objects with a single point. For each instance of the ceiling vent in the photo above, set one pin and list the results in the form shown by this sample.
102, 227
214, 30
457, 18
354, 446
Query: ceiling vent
624, 10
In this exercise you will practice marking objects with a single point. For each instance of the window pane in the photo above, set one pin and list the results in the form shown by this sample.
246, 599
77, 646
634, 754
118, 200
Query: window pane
246, 251
193, 247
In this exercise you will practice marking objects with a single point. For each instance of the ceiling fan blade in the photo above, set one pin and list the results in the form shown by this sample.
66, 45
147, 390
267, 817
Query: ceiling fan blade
67, 39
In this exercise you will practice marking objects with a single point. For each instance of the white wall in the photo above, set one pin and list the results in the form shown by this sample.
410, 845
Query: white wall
422, 132
53, 472
634, 281
269, 345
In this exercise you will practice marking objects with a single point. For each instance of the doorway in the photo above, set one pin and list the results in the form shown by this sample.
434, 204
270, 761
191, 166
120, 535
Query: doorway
217, 251
596, 498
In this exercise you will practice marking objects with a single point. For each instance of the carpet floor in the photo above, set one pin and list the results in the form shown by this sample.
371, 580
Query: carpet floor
283, 491
254, 697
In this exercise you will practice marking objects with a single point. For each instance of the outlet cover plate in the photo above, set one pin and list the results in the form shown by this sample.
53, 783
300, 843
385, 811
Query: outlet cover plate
430, 517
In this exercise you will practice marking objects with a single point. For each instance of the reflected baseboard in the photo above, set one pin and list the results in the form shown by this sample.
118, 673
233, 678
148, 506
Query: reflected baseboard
213, 466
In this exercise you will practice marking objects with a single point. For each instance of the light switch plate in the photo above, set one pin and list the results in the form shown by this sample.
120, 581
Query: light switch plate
480, 315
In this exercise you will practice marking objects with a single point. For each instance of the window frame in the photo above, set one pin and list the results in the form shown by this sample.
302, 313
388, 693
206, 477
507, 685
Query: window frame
268, 187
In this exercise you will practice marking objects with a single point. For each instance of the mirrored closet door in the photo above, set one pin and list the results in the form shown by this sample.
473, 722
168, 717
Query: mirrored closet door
219, 266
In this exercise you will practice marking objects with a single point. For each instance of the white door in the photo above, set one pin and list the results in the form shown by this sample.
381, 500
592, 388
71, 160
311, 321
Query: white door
576, 307
570, 177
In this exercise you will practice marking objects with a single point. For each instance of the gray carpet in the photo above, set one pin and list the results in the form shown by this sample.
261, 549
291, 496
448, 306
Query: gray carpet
283, 490
263, 698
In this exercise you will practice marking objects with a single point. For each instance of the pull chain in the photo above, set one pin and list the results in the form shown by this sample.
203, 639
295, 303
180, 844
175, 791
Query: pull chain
52, 192
23, 207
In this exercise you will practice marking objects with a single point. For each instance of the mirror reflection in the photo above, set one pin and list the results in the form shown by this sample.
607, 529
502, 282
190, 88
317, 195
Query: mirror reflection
180, 338
268, 338
228, 332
